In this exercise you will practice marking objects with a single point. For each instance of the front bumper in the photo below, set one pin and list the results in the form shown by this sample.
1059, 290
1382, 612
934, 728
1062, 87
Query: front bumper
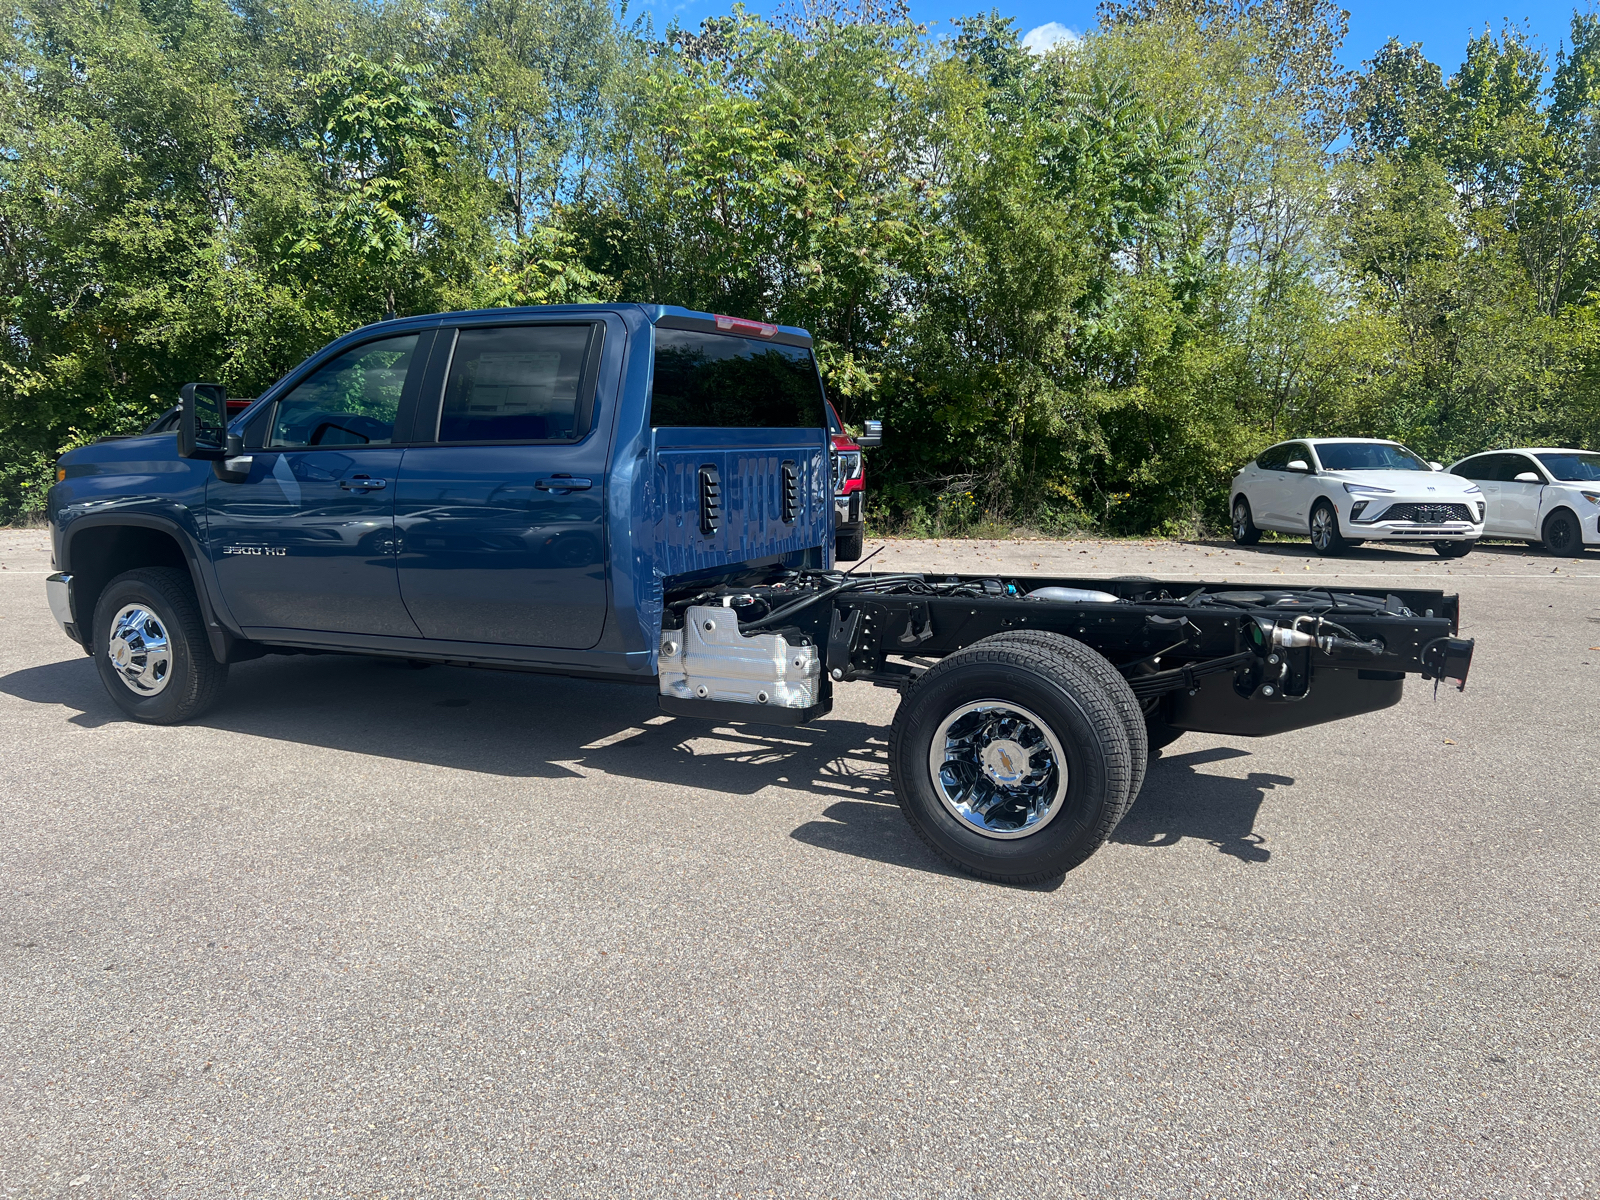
58, 590
1411, 531
847, 509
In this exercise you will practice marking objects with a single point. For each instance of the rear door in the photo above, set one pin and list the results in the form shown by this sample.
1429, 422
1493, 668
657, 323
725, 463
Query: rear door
1269, 492
741, 445
1487, 471
306, 539
500, 515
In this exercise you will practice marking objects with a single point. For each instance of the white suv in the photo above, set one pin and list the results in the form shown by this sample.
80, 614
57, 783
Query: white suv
1544, 495
1345, 491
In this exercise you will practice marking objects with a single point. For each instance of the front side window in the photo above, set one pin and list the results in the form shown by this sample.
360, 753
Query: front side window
722, 381
1572, 467
516, 383
350, 400
1368, 456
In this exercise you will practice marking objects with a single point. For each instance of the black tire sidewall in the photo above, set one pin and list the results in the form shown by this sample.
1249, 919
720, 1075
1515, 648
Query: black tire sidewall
1336, 541
1054, 848
170, 704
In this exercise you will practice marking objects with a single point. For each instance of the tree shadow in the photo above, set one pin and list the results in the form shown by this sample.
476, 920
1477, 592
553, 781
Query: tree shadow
1180, 802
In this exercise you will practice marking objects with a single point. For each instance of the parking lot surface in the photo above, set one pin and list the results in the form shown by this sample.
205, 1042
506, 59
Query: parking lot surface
373, 931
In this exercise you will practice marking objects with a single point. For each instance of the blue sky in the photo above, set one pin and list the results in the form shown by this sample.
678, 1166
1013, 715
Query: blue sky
1442, 28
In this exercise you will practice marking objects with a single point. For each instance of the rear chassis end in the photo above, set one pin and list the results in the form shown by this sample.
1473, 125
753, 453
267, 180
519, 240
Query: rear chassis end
1202, 656
1029, 706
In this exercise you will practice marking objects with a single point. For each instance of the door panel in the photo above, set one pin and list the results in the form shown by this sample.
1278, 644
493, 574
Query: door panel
1519, 507
502, 536
492, 549
307, 541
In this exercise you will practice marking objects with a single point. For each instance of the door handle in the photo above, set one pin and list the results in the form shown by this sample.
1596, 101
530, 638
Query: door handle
362, 483
563, 483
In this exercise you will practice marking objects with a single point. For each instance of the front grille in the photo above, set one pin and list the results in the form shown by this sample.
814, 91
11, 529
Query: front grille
1427, 514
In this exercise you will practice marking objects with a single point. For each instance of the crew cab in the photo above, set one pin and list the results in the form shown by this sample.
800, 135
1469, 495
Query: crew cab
644, 494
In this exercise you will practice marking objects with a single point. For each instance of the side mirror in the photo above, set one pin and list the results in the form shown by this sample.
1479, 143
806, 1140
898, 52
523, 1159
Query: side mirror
1528, 477
1433, 466
203, 421
1300, 465
873, 437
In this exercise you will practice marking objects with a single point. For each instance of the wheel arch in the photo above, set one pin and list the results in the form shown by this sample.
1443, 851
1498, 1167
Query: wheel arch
99, 547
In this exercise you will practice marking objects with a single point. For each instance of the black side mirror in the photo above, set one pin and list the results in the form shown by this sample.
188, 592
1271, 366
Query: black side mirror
873, 437
203, 421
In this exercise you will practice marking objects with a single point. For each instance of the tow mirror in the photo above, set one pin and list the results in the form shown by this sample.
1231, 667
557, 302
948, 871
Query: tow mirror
203, 421
1528, 477
1301, 465
873, 437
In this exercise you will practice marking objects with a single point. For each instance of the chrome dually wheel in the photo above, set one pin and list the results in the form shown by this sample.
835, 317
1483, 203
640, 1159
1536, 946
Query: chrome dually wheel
140, 650
998, 768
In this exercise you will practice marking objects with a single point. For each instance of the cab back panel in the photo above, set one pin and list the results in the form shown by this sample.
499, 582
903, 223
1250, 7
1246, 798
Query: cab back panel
749, 521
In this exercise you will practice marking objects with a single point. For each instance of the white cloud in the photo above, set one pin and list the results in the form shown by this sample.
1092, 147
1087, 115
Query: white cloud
1047, 37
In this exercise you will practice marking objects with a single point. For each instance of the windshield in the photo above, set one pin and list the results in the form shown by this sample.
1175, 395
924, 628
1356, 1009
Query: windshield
1368, 456
1579, 468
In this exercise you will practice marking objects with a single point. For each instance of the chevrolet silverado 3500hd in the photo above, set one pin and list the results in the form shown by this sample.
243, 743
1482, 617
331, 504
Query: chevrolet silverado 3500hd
644, 493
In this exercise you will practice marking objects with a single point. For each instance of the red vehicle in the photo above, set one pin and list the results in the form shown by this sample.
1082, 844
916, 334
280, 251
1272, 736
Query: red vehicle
849, 485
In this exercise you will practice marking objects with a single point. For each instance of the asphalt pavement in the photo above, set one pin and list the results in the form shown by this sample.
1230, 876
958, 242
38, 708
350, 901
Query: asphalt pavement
373, 931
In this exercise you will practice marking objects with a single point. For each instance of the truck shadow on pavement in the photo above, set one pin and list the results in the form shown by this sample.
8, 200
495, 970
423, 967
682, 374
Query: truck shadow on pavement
1179, 802
542, 727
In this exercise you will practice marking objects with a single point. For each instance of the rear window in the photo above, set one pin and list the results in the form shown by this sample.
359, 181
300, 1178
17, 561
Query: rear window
716, 379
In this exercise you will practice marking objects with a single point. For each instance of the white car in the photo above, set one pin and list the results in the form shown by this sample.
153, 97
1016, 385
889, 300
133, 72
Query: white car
1548, 496
1345, 491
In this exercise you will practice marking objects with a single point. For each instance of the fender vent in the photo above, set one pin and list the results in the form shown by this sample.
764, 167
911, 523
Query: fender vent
791, 492
710, 500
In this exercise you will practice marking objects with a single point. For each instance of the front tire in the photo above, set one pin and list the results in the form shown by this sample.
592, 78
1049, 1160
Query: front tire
150, 647
847, 546
1325, 536
1563, 536
1453, 549
1011, 763
1245, 532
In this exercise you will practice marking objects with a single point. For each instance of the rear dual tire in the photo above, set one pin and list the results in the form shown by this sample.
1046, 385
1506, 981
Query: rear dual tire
1012, 758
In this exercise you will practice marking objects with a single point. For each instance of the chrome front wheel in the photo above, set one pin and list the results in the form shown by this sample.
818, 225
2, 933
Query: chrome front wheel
140, 650
998, 768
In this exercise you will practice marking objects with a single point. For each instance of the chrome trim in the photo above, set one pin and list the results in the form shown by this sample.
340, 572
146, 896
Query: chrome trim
140, 650
998, 769
58, 591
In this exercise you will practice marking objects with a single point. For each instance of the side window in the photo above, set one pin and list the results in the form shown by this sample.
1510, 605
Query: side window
1273, 459
1481, 467
1301, 451
1516, 464
516, 383
719, 380
348, 401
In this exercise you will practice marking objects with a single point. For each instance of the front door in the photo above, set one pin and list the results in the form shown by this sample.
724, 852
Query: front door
501, 521
307, 539
1519, 500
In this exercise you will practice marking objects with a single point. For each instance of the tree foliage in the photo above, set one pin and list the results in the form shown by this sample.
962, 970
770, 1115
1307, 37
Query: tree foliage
1082, 287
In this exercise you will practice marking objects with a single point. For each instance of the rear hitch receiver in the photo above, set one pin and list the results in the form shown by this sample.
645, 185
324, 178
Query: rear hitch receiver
1447, 658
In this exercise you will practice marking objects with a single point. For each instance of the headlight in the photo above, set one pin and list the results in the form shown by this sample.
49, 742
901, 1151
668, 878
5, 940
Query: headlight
1366, 489
1591, 497
1474, 490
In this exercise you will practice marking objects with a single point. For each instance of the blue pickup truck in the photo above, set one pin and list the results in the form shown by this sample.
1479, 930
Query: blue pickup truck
644, 493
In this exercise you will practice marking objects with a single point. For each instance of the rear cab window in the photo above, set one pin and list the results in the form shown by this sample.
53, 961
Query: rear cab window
722, 380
